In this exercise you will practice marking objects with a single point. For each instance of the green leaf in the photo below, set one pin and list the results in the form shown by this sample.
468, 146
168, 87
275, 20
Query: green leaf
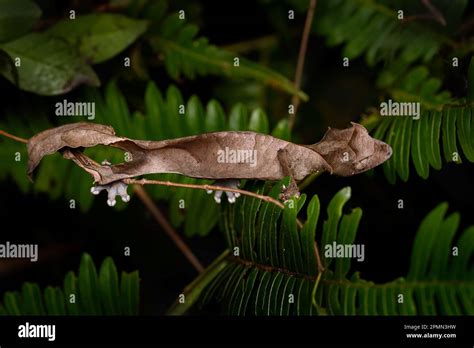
470, 81
174, 101
282, 131
465, 127
424, 241
54, 301
88, 286
17, 17
434, 151
308, 236
109, 287
289, 235
154, 108
215, 118
129, 288
334, 212
258, 121
48, 65
419, 148
195, 116
12, 303
346, 236
80, 295
32, 300
99, 36
238, 117
405, 144
71, 294
187, 55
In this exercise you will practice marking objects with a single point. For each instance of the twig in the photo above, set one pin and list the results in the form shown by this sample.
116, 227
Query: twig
14, 137
193, 290
434, 11
169, 230
466, 26
205, 187
295, 100
434, 14
221, 188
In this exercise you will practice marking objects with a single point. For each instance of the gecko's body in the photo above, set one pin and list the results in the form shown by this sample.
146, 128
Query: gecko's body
218, 155
226, 155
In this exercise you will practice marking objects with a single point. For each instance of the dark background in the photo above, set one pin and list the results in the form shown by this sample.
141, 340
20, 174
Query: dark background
337, 95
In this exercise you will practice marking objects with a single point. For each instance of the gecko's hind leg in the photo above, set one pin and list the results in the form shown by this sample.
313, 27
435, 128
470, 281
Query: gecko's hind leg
231, 196
292, 189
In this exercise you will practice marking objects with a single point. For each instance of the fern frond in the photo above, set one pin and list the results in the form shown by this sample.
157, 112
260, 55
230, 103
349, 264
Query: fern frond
373, 29
271, 269
164, 117
420, 140
88, 293
186, 54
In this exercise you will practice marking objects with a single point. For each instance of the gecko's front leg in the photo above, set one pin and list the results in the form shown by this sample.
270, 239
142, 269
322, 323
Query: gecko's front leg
231, 196
292, 189
117, 188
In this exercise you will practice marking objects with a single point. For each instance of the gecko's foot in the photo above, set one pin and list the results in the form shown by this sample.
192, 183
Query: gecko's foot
117, 188
231, 196
288, 192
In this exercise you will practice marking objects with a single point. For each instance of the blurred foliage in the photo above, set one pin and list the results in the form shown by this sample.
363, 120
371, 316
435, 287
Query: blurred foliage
377, 30
88, 293
174, 67
185, 54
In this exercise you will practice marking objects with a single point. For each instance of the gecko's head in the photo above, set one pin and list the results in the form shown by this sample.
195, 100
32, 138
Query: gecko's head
352, 150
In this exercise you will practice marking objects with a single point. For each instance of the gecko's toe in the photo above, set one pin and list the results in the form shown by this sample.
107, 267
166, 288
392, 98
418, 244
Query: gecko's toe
122, 191
217, 197
95, 190
125, 198
230, 197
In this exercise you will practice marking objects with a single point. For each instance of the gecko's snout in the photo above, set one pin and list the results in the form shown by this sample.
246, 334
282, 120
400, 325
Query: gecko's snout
389, 150
385, 149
